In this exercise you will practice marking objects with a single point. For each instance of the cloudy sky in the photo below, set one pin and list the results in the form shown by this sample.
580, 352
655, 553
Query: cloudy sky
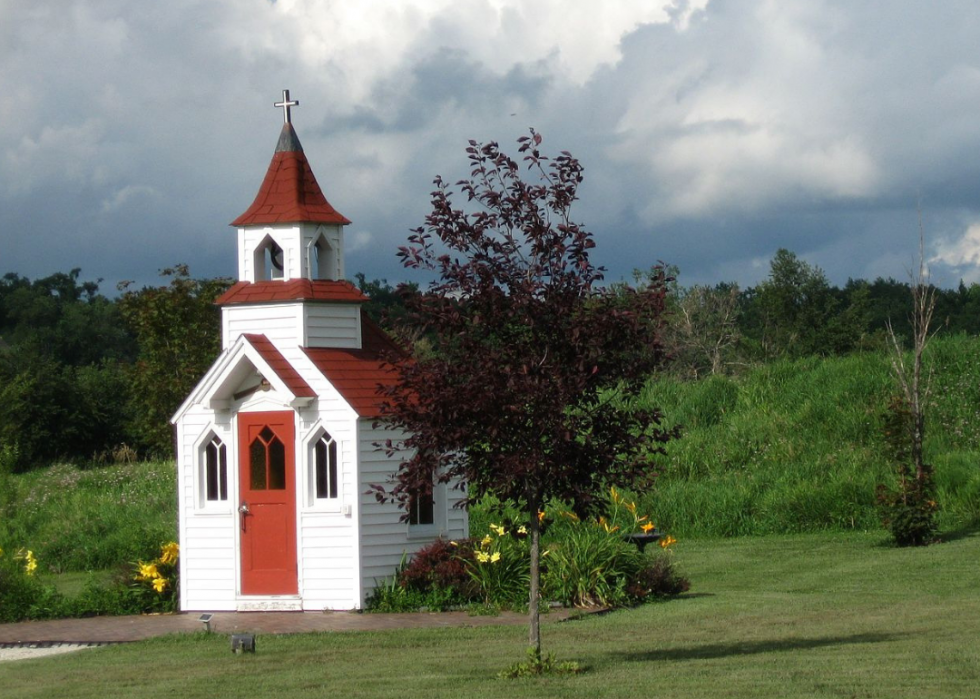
713, 132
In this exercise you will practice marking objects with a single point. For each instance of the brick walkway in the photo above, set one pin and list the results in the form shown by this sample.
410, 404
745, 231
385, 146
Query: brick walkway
121, 629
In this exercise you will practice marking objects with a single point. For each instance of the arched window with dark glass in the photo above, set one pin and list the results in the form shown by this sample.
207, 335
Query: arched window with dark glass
325, 468
215, 470
267, 462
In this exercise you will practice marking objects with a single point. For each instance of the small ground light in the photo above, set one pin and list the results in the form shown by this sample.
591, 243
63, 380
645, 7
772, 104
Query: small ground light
243, 643
206, 620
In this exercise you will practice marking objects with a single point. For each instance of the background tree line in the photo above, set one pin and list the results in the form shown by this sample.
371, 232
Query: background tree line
87, 377
795, 312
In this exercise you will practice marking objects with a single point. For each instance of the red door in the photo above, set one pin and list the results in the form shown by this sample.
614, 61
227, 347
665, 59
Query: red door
267, 513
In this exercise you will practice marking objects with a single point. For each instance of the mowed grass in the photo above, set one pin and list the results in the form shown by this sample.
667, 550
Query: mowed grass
835, 615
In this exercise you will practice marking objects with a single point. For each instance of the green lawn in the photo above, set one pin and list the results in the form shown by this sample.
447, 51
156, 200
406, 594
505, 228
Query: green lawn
840, 615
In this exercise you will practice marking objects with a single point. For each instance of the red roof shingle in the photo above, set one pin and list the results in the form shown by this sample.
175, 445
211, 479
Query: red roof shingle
321, 290
284, 370
357, 373
289, 192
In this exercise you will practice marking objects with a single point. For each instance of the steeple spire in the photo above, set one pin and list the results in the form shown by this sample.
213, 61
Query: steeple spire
289, 192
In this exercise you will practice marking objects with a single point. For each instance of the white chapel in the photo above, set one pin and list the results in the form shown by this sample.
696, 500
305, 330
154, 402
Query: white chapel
277, 444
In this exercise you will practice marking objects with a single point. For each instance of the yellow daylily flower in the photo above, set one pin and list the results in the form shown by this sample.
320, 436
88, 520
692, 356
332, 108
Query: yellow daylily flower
482, 556
648, 527
30, 563
159, 584
486, 541
541, 516
605, 525
522, 529
147, 571
169, 552
495, 557
667, 542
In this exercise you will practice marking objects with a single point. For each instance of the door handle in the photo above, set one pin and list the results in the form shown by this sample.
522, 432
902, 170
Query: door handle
244, 511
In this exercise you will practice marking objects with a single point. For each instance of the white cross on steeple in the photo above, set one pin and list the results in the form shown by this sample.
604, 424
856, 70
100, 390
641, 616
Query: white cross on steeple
286, 104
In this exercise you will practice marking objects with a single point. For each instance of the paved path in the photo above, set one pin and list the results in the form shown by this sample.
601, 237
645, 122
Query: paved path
122, 629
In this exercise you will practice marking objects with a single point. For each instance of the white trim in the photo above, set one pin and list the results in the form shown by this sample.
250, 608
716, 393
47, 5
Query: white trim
311, 502
202, 505
215, 389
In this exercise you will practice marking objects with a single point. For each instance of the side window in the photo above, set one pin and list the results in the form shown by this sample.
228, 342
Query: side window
422, 508
214, 471
325, 483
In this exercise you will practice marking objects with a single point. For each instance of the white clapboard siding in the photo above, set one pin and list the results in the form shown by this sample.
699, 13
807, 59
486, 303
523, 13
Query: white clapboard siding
206, 538
327, 539
332, 325
280, 322
328, 561
210, 564
384, 539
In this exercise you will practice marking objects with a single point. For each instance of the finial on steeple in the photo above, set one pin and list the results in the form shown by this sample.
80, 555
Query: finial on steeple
286, 104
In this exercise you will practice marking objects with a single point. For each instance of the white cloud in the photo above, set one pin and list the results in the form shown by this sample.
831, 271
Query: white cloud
962, 254
362, 42
126, 195
712, 133
58, 154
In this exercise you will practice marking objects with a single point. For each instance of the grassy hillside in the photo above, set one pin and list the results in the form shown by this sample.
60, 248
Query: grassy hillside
92, 519
788, 447
797, 446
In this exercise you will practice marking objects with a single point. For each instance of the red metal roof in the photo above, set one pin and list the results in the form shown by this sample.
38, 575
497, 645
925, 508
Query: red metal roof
289, 192
356, 373
322, 290
284, 370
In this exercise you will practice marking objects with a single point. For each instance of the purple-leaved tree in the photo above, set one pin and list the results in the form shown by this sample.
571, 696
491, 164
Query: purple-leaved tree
530, 389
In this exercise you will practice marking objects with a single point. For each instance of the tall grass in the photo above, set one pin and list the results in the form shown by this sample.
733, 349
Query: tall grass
796, 446
793, 446
92, 519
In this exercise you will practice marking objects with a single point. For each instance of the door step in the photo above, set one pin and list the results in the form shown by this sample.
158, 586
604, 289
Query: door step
270, 604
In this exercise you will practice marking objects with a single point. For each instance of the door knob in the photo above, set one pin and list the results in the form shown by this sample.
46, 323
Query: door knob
244, 512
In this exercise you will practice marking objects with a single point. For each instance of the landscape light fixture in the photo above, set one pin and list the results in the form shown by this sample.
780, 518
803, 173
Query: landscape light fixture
243, 643
206, 620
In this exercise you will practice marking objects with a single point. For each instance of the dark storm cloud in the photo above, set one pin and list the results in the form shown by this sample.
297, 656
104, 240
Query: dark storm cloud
130, 136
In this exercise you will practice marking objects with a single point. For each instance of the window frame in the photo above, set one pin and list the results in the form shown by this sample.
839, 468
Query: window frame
201, 472
323, 504
438, 524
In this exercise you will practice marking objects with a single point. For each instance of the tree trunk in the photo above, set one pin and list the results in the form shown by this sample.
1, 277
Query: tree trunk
534, 617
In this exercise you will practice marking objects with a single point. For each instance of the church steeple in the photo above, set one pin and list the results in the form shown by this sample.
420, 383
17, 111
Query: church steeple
290, 231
